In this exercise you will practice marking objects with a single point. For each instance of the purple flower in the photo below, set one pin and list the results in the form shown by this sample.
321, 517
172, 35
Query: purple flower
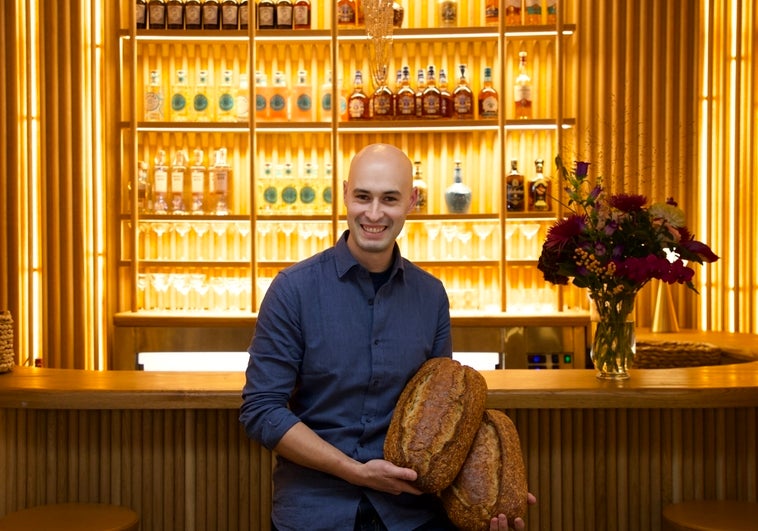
628, 202
581, 168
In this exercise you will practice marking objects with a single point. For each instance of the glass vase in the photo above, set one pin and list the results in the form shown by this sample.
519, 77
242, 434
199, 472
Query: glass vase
613, 348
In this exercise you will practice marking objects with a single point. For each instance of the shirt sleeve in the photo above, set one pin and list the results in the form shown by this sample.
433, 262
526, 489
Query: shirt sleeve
276, 353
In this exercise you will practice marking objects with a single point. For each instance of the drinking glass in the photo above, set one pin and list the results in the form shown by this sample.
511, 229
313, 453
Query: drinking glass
464, 236
220, 230
263, 228
243, 229
530, 230
181, 229
483, 231
432, 231
449, 231
200, 229
287, 228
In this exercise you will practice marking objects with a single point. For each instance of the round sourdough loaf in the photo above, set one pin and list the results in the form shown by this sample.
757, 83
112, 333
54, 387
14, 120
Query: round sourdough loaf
493, 477
435, 420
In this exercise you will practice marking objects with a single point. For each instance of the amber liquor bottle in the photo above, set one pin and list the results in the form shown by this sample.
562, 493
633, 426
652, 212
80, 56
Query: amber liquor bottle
488, 97
156, 12
174, 14
346, 13
513, 13
358, 105
193, 15
420, 86
539, 189
266, 15
211, 19
284, 14
301, 15
447, 98
514, 189
405, 97
141, 14
431, 97
382, 103
463, 97
244, 14
229, 15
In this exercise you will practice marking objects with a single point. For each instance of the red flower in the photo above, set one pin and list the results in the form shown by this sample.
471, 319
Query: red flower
628, 202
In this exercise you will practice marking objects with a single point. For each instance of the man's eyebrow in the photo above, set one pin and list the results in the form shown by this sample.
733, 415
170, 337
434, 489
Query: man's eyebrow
385, 192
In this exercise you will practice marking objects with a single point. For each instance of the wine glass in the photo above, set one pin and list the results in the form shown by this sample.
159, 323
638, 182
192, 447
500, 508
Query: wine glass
305, 231
143, 281
181, 229
530, 230
243, 229
432, 231
200, 287
160, 229
200, 229
180, 282
219, 287
510, 230
483, 231
287, 228
449, 232
464, 236
220, 230
160, 283
320, 232
263, 228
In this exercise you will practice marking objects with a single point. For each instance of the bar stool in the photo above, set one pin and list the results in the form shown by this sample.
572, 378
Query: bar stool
72, 517
711, 515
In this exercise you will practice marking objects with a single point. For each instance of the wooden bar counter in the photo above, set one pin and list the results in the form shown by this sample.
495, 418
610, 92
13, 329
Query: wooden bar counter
599, 455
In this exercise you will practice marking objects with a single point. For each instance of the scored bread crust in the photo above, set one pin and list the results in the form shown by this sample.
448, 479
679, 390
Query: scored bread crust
435, 421
492, 480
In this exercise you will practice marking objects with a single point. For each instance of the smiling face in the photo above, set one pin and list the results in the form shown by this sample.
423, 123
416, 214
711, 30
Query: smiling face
379, 194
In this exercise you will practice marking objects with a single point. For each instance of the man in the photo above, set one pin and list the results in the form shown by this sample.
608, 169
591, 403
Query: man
338, 337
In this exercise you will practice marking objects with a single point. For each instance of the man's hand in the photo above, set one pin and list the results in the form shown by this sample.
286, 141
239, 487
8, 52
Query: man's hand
500, 522
384, 476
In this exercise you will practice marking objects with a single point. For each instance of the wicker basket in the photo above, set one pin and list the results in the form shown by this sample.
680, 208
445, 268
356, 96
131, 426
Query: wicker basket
6, 341
671, 354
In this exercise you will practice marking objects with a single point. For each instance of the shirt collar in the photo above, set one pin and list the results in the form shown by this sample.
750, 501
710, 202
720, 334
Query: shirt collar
345, 261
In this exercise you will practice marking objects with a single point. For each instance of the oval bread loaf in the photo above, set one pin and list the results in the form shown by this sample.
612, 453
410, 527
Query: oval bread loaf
493, 477
435, 420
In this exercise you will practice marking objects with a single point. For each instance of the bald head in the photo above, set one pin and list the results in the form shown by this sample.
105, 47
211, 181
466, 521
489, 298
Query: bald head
385, 158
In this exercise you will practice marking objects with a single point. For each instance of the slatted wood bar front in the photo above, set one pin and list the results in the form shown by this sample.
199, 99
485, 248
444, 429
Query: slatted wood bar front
599, 456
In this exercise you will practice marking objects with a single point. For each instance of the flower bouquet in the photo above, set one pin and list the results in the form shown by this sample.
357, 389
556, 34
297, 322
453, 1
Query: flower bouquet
613, 245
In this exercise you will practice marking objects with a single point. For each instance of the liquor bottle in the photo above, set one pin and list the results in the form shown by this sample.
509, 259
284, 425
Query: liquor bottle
447, 98
513, 12
552, 11
398, 13
201, 99
140, 14
243, 99
360, 15
269, 192
154, 98
302, 99
342, 110
156, 12
533, 12
160, 183
175, 14
458, 195
197, 182
420, 86
346, 17
229, 15
262, 96
522, 91
284, 14
420, 185
193, 15
244, 15
266, 15
514, 189
225, 98
463, 97
289, 189
382, 103
301, 14
211, 19
488, 97
491, 12
179, 98
358, 103
447, 13
278, 103
144, 189
220, 178
431, 97
539, 189
326, 98
326, 192
178, 173
308, 190
405, 98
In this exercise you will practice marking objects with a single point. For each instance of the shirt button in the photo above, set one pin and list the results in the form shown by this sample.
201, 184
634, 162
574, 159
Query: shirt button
376, 341
371, 302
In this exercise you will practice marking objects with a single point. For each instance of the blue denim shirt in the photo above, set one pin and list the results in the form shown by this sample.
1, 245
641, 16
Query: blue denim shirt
331, 353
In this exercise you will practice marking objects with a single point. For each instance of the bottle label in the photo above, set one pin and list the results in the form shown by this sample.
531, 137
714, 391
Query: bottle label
326, 102
383, 105
300, 15
270, 195
289, 195
140, 16
522, 93
284, 15
327, 195
226, 102
448, 13
157, 14
307, 195
266, 16
463, 104
356, 108
178, 102
260, 103
219, 181
153, 101
200, 102
210, 15
515, 193
192, 15
432, 105
243, 107
177, 181
229, 15
161, 182
278, 103
243, 16
406, 105
197, 182
489, 107
174, 15
345, 13
304, 102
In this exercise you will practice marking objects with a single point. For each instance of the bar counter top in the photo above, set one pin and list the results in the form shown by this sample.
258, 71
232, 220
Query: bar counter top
728, 385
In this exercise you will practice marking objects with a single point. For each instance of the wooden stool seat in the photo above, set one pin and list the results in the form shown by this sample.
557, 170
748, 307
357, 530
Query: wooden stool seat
71, 517
711, 515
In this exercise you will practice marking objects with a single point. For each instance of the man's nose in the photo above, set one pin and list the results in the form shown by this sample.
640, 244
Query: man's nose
374, 210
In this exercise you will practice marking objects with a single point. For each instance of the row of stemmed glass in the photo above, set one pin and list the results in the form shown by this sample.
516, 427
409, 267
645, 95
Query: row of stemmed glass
212, 240
193, 291
278, 239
